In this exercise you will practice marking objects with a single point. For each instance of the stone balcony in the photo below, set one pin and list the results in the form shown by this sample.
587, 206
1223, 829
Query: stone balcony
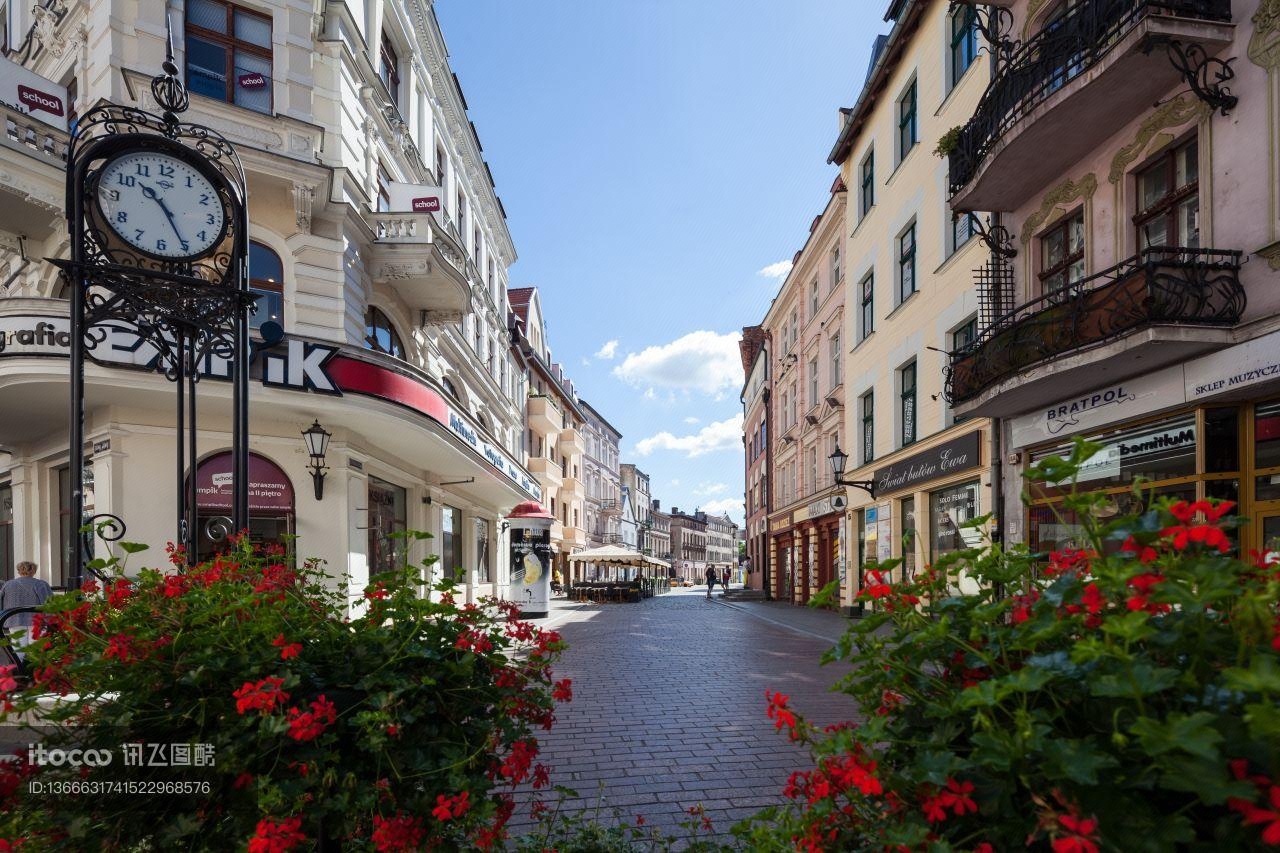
414, 256
1065, 90
547, 471
543, 416
33, 183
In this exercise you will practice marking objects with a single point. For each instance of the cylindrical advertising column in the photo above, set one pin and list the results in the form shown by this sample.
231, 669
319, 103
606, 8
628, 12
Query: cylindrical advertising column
530, 559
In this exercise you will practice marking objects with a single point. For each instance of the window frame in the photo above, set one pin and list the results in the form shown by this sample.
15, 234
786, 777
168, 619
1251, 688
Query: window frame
266, 285
971, 221
836, 376
1166, 207
868, 304
389, 68
963, 43
837, 271
371, 313
908, 130
868, 186
907, 402
867, 402
229, 41
907, 257
1069, 258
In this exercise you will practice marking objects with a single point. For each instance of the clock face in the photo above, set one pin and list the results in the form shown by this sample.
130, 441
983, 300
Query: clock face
161, 205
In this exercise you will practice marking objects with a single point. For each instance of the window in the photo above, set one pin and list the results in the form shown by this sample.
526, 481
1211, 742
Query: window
387, 516
785, 409
441, 167
835, 360
1169, 200
868, 404
389, 69
868, 306
1062, 254
907, 137
73, 94
266, 278
484, 560
964, 335
795, 328
907, 264
836, 272
868, 189
813, 469
907, 401
949, 509
229, 54
383, 189
907, 512
475, 247
964, 41
813, 299
963, 228
795, 402
462, 214
380, 335
813, 381
6, 532
451, 544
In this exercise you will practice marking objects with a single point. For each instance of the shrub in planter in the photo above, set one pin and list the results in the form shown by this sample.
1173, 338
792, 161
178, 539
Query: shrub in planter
298, 724
1122, 696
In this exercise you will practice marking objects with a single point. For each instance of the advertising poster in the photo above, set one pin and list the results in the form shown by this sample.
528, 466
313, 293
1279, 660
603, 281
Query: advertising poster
531, 570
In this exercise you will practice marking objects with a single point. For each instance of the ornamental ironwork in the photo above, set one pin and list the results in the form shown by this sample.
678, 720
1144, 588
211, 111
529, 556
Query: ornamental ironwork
1206, 76
158, 224
1066, 47
1159, 285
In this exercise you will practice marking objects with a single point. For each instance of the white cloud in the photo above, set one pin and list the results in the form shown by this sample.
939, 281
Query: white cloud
700, 361
736, 508
722, 435
608, 351
775, 271
692, 420
706, 490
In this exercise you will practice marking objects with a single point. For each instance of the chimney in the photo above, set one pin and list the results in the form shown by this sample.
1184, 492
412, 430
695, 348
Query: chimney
656, 507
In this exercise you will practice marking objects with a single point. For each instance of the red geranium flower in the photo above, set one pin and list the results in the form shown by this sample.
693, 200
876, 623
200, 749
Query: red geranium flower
262, 696
448, 808
1079, 835
397, 833
779, 712
309, 725
272, 837
287, 649
563, 691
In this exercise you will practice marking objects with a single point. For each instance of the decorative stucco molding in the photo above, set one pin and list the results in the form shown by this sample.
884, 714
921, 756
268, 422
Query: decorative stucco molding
303, 195
1177, 112
1065, 193
1264, 44
1272, 255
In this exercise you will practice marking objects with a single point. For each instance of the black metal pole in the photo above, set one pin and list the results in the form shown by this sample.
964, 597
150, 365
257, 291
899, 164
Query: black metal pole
75, 476
180, 433
193, 375
240, 393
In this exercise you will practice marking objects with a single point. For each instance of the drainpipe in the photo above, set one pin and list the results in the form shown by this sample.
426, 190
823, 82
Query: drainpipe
22, 253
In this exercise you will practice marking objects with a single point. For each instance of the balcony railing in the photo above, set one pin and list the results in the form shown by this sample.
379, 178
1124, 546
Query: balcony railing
1065, 48
1160, 285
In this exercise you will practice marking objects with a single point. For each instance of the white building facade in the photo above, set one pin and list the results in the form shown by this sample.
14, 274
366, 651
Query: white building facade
346, 116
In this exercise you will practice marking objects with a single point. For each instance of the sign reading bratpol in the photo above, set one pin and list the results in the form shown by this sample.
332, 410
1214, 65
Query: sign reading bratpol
952, 457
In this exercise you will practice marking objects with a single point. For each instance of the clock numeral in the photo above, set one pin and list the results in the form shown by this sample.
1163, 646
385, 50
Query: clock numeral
125, 180
190, 183
137, 234
210, 219
204, 199
161, 245
122, 216
166, 171
144, 171
202, 236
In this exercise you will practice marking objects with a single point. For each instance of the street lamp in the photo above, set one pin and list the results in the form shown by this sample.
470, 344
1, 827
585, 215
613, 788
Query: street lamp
838, 459
317, 439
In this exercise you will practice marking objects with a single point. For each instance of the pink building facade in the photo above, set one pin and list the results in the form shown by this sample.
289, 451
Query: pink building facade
1129, 152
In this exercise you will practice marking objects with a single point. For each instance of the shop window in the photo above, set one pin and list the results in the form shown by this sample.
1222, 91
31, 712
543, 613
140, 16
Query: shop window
949, 510
1062, 254
271, 502
1169, 200
1222, 440
228, 52
907, 263
380, 335
6, 532
868, 188
389, 69
964, 42
907, 403
1159, 451
451, 543
1266, 452
484, 559
387, 517
907, 512
266, 279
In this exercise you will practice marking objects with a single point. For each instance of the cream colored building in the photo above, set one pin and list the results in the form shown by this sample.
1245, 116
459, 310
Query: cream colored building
909, 296
553, 429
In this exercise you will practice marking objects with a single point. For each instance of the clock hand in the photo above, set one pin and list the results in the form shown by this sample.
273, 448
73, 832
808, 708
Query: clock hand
151, 194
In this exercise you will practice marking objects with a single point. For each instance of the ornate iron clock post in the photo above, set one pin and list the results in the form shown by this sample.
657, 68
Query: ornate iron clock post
158, 221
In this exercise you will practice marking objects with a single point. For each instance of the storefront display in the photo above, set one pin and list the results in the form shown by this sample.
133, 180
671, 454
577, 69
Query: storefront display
949, 509
907, 512
386, 517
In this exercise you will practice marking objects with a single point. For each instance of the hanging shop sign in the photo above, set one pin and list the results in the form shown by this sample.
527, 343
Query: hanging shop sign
295, 365
28, 92
951, 457
415, 198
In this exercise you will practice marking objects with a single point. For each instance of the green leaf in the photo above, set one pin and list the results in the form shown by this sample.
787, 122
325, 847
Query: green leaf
1078, 760
131, 547
1131, 627
1186, 733
1263, 676
1263, 721
1142, 680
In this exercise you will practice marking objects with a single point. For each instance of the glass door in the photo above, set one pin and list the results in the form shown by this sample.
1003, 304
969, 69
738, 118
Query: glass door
1267, 523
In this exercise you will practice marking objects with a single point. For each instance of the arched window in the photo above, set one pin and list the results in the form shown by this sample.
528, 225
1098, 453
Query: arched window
380, 335
450, 389
266, 279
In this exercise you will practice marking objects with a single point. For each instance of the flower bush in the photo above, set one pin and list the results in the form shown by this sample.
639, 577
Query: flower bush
1119, 696
401, 725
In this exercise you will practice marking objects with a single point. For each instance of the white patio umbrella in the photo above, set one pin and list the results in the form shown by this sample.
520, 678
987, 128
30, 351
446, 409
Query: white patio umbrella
616, 555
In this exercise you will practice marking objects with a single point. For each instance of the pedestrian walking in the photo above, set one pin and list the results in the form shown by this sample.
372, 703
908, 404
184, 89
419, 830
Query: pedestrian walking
25, 590
711, 580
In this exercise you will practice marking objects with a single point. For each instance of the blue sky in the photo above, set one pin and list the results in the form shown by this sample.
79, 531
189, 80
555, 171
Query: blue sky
654, 156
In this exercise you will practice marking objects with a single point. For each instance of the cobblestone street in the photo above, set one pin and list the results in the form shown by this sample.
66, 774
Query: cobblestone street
669, 709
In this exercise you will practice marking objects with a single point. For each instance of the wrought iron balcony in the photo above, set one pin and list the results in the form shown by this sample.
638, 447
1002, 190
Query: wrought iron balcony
1163, 285
1049, 73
